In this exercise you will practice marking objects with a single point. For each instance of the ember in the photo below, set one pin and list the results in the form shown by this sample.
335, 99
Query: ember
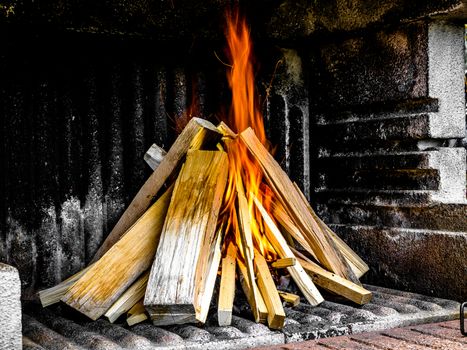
226, 205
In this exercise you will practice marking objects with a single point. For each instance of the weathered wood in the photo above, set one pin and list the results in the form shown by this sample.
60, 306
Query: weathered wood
190, 222
136, 314
290, 298
206, 278
283, 263
292, 201
196, 133
227, 286
303, 281
53, 294
276, 314
110, 276
333, 282
253, 298
128, 299
154, 155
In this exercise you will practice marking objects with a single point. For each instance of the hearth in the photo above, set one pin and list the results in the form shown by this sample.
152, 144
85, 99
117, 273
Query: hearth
364, 105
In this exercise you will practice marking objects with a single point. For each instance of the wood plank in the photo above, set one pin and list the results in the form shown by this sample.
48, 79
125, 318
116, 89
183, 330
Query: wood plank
292, 201
247, 248
354, 261
128, 299
283, 263
227, 286
301, 278
253, 298
190, 222
267, 287
196, 134
154, 155
333, 282
53, 294
290, 298
137, 314
206, 278
110, 276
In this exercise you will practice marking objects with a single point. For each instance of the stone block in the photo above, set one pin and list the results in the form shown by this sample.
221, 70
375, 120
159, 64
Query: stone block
10, 308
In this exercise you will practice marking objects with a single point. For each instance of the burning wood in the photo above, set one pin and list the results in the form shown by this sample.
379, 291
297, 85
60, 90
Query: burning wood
226, 199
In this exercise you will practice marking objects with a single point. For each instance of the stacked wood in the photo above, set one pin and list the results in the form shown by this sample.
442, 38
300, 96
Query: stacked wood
162, 259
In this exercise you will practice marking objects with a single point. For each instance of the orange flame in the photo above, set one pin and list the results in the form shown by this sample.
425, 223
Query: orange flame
244, 113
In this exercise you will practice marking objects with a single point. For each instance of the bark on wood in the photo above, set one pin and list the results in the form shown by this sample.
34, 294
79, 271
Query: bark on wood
189, 230
110, 276
196, 134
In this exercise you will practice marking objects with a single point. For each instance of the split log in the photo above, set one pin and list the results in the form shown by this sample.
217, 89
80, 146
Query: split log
296, 207
137, 314
283, 263
110, 276
226, 131
154, 156
196, 134
207, 274
276, 314
253, 298
303, 281
190, 222
333, 282
227, 286
290, 298
128, 299
53, 294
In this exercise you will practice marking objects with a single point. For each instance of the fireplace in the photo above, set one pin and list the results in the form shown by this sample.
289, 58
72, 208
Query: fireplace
365, 104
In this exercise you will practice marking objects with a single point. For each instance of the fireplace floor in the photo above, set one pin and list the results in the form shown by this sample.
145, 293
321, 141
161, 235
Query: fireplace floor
46, 329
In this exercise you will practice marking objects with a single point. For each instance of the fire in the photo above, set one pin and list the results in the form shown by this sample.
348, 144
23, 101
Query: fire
245, 175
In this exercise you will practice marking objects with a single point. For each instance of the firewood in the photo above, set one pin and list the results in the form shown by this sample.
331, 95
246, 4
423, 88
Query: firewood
226, 131
206, 277
303, 281
247, 248
256, 299
154, 155
196, 134
190, 221
296, 207
290, 298
227, 286
333, 282
53, 294
136, 314
358, 266
128, 299
110, 276
276, 314
283, 263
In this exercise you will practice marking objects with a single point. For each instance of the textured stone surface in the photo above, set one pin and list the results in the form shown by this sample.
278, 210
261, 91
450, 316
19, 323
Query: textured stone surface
389, 308
412, 259
444, 335
10, 308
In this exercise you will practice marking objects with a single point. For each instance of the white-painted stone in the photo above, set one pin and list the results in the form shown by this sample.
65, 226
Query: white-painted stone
10, 308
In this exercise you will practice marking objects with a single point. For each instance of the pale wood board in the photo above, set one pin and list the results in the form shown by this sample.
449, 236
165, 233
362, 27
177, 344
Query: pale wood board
292, 201
190, 222
196, 133
95, 292
227, 286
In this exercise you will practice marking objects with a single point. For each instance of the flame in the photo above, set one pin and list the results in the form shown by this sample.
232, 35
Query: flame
244, 113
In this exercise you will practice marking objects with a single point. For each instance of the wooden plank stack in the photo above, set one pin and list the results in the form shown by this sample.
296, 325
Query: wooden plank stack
197, 220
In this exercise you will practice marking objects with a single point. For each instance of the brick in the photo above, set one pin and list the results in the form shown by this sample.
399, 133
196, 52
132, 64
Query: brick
423, 339
345, 343
384, 342
441, 332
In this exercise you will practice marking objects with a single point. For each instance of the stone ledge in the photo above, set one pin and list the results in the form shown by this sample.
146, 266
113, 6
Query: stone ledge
10, 308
